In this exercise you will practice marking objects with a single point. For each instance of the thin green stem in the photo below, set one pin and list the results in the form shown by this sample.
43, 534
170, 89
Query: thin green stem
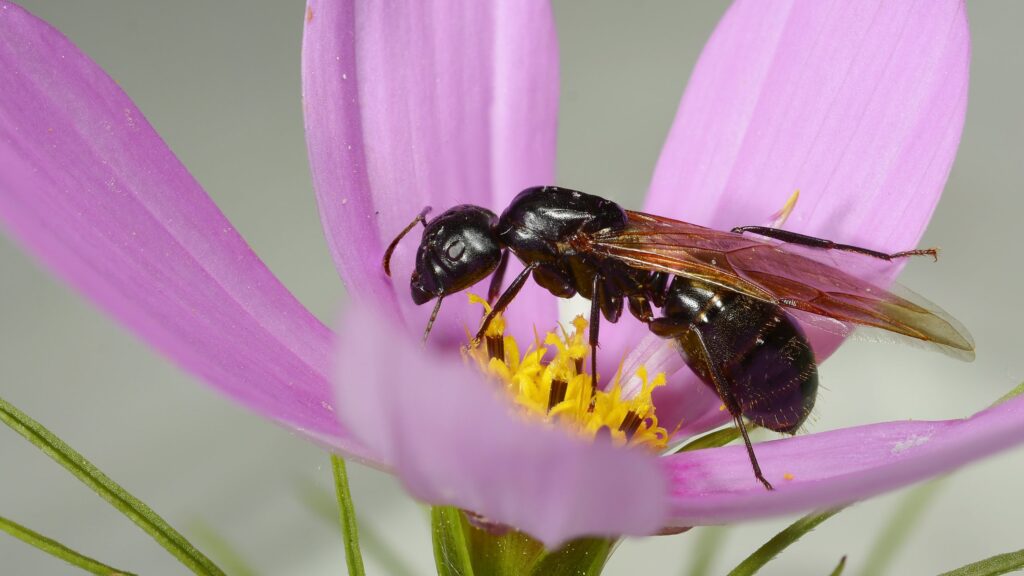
1001, 564
708, 542
781, 541
118, 497
321, 503
894, 535
58, 550
347, 515
219, 547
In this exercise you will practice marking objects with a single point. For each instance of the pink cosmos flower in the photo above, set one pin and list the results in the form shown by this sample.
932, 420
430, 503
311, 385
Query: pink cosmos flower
860, 106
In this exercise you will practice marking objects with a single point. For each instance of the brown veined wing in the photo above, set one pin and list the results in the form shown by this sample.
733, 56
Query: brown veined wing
842, 287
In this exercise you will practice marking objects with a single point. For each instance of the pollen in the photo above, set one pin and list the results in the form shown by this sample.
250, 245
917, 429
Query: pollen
547, 382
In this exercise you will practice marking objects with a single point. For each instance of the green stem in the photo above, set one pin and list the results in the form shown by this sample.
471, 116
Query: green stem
781, 541
709, 542
219, 547
347, 515
58, 550
892, 538
118, 497
321, 503
993, 566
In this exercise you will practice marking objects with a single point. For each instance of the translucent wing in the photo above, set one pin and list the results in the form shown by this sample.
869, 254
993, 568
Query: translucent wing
840, 287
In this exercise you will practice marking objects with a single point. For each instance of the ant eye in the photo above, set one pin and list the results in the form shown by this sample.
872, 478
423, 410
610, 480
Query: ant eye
455, 249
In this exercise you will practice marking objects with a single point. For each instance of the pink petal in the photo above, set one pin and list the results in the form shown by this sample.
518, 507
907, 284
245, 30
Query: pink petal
859, 105
453, 439
425, 103
832, 468
89, 188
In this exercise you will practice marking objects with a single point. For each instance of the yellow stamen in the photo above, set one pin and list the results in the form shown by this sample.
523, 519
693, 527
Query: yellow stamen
549, 383
780, 217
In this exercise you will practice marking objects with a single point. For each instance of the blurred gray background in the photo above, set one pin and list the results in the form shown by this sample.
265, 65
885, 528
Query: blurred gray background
220, 82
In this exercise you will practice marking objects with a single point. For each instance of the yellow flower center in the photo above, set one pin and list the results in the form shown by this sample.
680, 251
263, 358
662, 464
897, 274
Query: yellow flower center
549, 383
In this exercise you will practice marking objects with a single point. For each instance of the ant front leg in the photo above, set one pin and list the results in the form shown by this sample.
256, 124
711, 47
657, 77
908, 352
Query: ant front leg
812, 242
497, 278
503, 301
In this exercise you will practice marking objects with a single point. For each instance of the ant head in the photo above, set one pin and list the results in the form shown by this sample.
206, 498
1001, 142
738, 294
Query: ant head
459, 249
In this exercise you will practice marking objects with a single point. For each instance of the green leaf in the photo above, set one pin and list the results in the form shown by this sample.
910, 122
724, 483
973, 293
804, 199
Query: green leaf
1017, 391
892, 538
451, 551
715, 439
839, 567
58, 550
325, 506
781, 541
1001, 564
220, 548
709, 542
118, 497
347, 515
463, 548
499, 550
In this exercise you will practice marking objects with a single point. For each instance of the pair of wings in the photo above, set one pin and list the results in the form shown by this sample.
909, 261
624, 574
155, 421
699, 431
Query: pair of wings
829, 289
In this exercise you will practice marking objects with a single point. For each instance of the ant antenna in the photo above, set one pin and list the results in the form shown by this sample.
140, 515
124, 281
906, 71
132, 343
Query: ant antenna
433, 315
421, 218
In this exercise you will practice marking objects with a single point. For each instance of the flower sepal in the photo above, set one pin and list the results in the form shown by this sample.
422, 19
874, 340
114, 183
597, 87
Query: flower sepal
465, 545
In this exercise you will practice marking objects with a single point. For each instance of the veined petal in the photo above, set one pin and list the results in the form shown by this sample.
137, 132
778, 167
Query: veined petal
452, 438
90, 189
831, 468
859, 105
425, 103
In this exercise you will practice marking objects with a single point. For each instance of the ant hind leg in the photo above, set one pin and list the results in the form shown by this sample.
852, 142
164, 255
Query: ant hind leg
812, 242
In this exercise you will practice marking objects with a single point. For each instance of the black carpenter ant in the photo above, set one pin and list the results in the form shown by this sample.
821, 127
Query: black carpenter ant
723, 296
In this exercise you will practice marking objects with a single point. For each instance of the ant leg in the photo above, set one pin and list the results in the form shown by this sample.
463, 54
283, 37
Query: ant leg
433, 316
640, 308
503, 301
420, 218
722, 387
750, 452
595, 326
811, 241
498, 277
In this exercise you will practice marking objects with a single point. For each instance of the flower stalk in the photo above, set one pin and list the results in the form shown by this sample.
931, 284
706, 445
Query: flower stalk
347, 516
